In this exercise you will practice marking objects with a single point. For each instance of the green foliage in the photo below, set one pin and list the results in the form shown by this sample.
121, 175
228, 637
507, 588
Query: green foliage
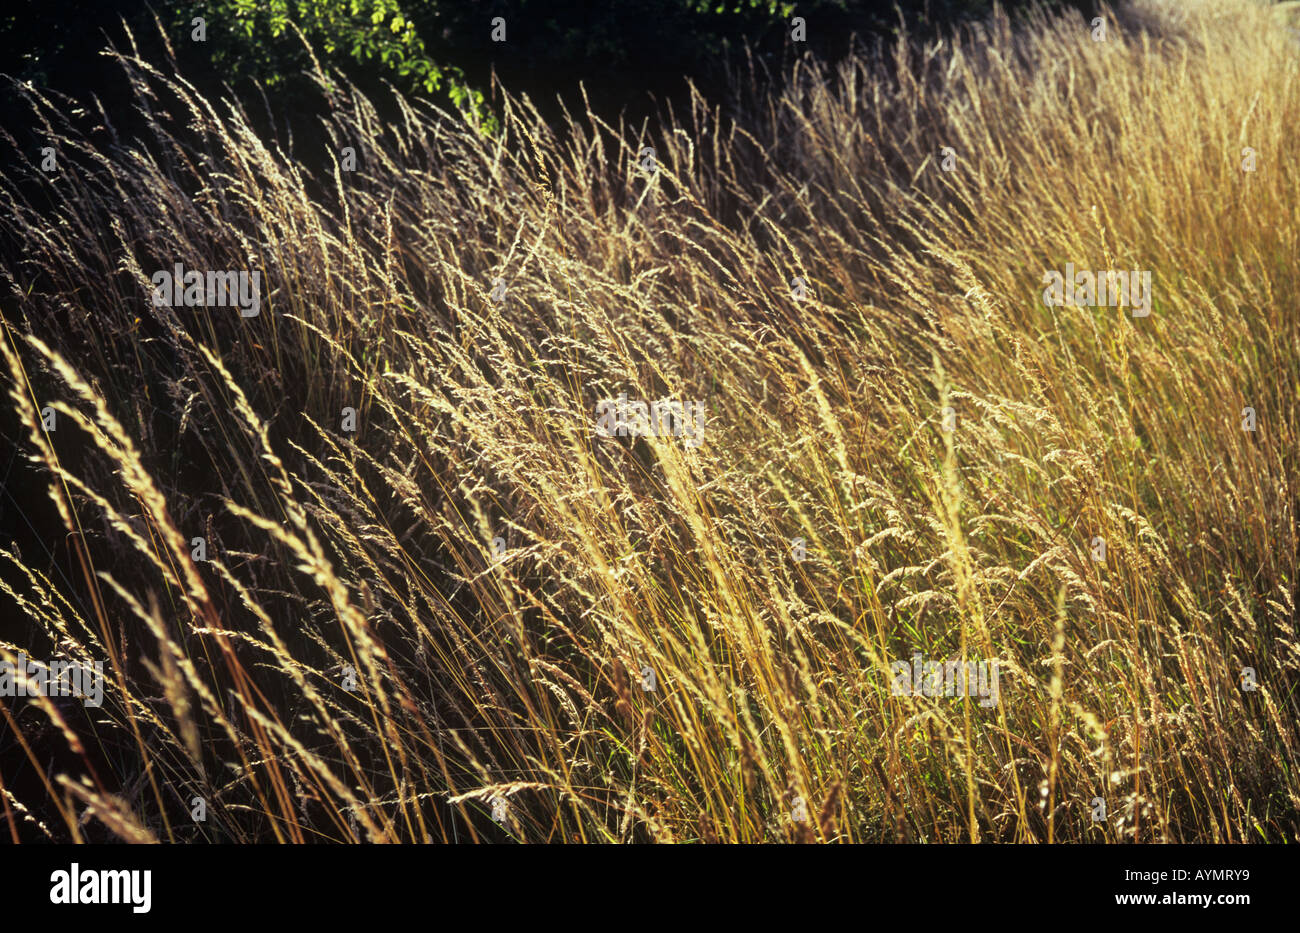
622, 52
258, 39
444, 49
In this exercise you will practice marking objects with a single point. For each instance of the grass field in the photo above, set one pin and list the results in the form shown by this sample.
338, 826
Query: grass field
438, 616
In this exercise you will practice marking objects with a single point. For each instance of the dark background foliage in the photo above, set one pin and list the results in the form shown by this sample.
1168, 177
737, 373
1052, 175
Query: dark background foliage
623, 52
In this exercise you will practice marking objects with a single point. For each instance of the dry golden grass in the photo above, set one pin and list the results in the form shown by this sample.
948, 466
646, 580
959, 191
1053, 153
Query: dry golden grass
519, 678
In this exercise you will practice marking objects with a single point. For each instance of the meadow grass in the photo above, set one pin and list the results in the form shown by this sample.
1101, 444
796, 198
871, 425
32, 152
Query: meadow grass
518, 675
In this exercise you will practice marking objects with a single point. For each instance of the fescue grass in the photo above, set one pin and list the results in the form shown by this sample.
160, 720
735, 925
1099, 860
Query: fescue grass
520, 677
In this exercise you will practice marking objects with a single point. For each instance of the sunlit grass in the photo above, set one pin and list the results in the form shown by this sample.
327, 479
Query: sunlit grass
521, 677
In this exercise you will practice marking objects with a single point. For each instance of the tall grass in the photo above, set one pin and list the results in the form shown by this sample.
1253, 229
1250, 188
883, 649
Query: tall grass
519, 676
